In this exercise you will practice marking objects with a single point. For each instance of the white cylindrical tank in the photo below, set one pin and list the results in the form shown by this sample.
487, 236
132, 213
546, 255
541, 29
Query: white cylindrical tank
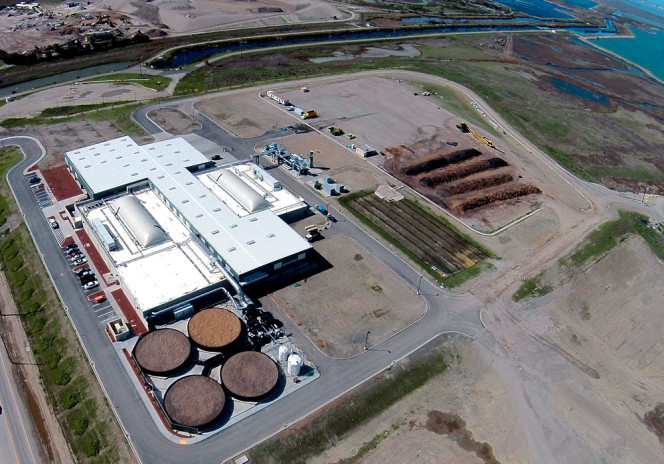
294, 364
284, 351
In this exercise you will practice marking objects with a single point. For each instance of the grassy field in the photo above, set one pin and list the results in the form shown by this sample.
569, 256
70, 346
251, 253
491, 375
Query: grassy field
146, 80
326, 428
88, 423
9, 156
608, 235
118, 115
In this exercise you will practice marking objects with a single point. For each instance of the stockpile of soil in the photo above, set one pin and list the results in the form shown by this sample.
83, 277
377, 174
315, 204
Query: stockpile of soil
438, 160
249, 375
214, 328
452, 173
479, 183
162, 351
499, 194
194, 401
462, 180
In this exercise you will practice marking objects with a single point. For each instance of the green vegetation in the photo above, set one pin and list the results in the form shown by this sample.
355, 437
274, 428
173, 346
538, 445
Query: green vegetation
118, 115
146, 80
9, 156
61, 111
338, 420
609, 234
467, 274
531, 286
64, 370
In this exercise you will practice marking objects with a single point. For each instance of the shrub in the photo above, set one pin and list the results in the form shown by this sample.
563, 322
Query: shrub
69, 396
36, 324
60, 376
51, 358
78, 421
89, 443
15, 264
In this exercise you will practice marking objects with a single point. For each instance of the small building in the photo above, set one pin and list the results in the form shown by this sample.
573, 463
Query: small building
366, 151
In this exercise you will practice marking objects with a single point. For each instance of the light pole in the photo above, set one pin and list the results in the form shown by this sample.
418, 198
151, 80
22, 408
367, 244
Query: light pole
366, 341
418, 284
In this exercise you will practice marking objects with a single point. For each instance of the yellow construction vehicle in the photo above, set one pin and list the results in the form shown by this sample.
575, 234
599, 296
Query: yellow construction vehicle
463, 127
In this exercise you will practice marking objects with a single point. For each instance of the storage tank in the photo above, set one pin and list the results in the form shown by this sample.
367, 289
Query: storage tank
294, 364
284, 351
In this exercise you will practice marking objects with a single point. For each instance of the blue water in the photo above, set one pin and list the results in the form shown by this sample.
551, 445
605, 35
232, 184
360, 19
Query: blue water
646, 49
538, 8
609, 29
436, 19
579, 91
581, 3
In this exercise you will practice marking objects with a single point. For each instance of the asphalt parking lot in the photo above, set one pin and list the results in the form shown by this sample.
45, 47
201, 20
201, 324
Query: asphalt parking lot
39, 190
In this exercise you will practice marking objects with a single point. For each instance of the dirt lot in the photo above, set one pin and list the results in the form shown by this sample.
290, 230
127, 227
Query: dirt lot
370, 108
244, 114
174, 121
521, 388
358, 294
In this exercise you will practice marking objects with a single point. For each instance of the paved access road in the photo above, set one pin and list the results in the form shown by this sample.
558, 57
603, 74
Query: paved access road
18, 437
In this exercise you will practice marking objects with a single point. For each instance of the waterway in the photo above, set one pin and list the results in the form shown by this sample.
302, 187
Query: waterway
646, 49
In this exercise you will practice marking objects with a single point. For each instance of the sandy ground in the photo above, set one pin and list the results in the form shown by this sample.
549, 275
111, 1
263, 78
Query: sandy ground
528, 386
174, 121
358, 294
243, 115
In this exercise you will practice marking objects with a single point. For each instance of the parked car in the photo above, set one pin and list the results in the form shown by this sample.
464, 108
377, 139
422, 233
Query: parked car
70, 248
54, 224
80, 261
85, 271
331, 218
34, 180
75, 255
90, 285
321, 209
85, 278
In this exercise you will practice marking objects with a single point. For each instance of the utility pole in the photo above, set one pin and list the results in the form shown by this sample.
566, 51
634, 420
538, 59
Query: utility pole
418, 284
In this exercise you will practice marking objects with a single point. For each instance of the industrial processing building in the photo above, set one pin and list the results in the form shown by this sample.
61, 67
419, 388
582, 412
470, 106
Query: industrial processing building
176, 227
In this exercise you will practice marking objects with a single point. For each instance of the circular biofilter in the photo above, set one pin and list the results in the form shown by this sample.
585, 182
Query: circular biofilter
194, 401
162, 352
214, 328
249, 375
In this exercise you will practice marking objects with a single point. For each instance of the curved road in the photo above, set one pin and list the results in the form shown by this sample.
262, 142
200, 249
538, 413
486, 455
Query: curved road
447, 313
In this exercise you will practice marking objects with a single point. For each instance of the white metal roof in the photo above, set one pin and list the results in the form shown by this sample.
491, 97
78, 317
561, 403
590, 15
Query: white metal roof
245, 243
142, 225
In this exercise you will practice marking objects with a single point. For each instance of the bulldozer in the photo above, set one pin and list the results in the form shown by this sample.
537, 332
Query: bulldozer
463, 127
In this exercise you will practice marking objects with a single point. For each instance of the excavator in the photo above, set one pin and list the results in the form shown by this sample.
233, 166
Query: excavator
463, 127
